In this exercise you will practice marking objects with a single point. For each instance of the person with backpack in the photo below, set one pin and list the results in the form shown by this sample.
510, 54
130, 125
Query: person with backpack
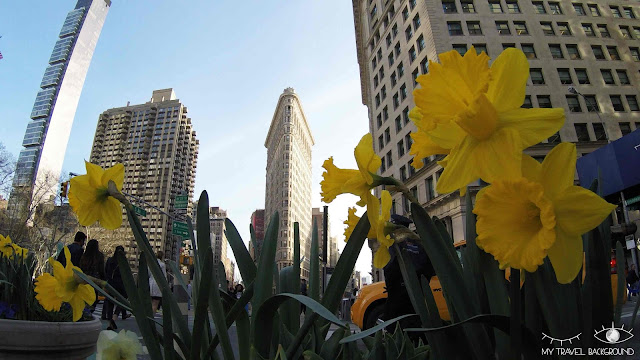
114, 278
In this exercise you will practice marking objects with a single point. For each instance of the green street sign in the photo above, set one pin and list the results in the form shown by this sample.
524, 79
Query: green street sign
633, 200
140, 211
181, 202
180, 229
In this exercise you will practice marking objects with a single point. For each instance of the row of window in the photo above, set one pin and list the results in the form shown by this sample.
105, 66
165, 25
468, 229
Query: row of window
599, 133
554, 8
520, 28
402, 94
591, 102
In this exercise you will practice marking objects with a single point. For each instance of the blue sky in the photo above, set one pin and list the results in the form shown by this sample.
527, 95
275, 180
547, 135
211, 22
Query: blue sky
228, 63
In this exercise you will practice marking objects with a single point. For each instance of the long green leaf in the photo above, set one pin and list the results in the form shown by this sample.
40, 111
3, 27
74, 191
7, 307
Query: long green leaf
243, 258
450, 276
217, 312
373, 330
144, 325
176, 270
331, 348
290, 310
264, 277
339, 279
122, 302
167, 329
234, 314
314, 265
243, 332
143, 286
622, 285
201, 303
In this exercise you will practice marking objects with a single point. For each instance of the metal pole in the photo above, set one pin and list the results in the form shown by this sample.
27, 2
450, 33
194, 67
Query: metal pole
325, 236
575, 91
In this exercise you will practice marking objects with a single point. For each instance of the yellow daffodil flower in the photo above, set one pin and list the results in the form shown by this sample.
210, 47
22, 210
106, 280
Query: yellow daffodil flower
52, 291
6, 246
351, 222
523, 220
89, 197
359, 182
379, 214
118, 346
20, 251
472, 112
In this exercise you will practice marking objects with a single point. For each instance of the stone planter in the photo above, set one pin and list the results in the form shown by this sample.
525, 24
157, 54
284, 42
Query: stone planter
48, 340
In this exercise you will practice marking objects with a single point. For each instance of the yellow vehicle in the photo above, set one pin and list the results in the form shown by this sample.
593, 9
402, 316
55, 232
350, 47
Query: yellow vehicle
369, 305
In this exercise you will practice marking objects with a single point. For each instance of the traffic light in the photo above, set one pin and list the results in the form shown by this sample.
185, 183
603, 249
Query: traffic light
63, 189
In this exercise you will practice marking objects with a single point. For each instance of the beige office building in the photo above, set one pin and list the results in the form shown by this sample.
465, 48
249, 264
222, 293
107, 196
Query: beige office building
219, 242
288, 182
593, 46
158, 147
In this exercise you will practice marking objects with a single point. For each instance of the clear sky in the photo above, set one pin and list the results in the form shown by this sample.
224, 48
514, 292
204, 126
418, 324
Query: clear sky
227, 61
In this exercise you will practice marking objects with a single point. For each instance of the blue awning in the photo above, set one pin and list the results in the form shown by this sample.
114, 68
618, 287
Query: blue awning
617, 162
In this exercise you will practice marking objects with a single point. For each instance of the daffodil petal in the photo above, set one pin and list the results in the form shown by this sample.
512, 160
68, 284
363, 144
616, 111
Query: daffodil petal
381, 257
531, 168
566, 256
111, 217
115, 173
46, 292
447, 135
509, 74
423, 147
77, 305
516, 223
368, 161
373, 211
533, 125
334, 179
579, 210
88, 214
558, 169
94, 174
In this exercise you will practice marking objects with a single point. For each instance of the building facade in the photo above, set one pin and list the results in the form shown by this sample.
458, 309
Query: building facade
158, 147
255, 245
334, 255
317, 216
219, 242
288, 180
591, 46
45, 140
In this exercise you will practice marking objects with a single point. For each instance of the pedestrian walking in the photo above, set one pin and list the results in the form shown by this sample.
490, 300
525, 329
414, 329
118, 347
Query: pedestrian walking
114, 278
76, 249
189, 295
154, 289
303, 291
92, 264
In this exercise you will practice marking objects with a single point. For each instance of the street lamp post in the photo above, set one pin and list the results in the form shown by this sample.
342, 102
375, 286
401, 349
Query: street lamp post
590, 106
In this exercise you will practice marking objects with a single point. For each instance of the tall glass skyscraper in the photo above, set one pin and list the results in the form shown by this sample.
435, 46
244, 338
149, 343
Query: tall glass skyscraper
45, 140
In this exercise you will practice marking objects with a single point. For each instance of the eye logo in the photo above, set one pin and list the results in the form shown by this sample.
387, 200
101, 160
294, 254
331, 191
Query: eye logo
560, 341
613, 335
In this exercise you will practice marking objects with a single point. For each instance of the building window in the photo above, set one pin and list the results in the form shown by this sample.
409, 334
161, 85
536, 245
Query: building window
554, 8
412, 4
581, 132
592, 103
424, 65
556, 51
636, 31
598, 131
414, 76
389, 159
536, 76
555, 138
474, 28
616, 101
604, 31
597, 52
377, 100
512, 7
495, 6
379, 54
544, 101
375, 81
520, 28
615, 11
594, 10
582, 76
529, 51
573, 103
381, 142
573, 52
613, 52
397, 49
408, 33
387, 135
449, 7
412, 54
564, 29
428, 184
400, 148
403, 173
468, 7
381, 72
625, 33
416, 22
455, 28
635, 53
623, 78
481, 48
588, 30
579, 9
373, 12
403, 92
625, 128
505, 46
547, 28
385, 113
565, 76
632, 101
390, 58
400, 69
527, 102
405, 13
394, 79
607, 77
379, 118
388, 40
538, 7
405, 115
460, 48
383, 91
396, 101
394, 30
421, 43
408, 141
383, 165
374, 63
503, 28
628, 12
398, 124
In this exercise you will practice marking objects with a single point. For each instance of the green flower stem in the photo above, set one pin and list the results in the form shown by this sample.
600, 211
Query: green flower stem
397, 185
112, 189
